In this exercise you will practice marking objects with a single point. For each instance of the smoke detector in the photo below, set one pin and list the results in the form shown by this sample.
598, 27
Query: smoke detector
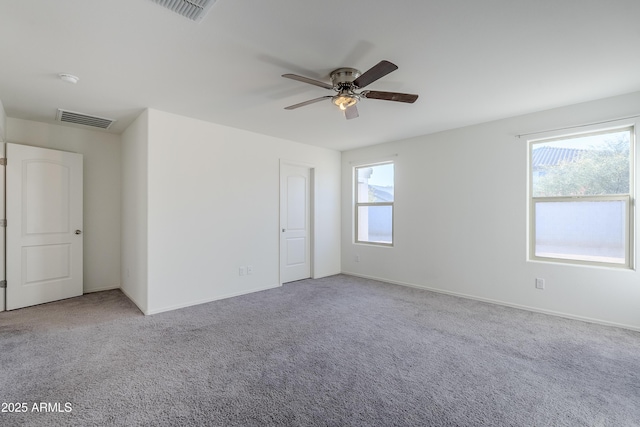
69, 78
192, 9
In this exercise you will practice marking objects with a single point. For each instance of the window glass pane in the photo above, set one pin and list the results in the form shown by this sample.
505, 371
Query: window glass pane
375, 224
596, 164
375, 183
588, 231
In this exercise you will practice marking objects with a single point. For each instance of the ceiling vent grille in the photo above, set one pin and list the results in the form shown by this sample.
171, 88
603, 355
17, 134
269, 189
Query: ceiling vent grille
83, 119
192, 9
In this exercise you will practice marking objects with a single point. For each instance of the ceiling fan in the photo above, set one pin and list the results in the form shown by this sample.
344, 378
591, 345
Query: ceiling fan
346, 81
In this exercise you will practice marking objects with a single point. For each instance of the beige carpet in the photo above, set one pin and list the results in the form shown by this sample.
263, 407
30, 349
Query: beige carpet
339, 351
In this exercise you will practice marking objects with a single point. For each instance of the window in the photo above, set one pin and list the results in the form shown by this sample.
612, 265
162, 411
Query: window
374, 204
581, 198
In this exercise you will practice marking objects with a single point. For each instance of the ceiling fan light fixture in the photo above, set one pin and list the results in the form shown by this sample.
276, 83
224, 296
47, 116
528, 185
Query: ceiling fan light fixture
344, 101
346, 81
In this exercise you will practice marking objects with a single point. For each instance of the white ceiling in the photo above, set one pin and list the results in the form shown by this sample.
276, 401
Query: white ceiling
470, 61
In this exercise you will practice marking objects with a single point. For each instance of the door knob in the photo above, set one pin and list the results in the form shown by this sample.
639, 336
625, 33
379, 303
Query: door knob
283, 230
78, 231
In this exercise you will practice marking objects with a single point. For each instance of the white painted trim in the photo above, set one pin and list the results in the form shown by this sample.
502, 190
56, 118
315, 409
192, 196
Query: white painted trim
499, 302
3, 230
374, 160
630, 232
204, 301
322, 276
357, 205
104, 288
3, 123
586, 126
297, 163
312, 214
133, 300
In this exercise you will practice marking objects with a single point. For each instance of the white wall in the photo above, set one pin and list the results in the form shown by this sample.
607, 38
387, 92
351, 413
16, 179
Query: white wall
101, 153
461, 220
134, 211
214, 206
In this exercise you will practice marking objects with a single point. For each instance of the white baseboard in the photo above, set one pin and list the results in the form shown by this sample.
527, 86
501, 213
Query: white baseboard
499, 302
104, 288
204, 301
133, 300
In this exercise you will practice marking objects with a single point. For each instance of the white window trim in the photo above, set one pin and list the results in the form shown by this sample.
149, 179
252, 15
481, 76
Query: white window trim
630, 231
357, 204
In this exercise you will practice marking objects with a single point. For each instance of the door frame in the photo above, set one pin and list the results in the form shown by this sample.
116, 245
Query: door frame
311, 230
3, 230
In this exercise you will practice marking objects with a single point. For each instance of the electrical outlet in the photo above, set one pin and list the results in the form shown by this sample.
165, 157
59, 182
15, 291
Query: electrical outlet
539, 283
242, 271
249, 269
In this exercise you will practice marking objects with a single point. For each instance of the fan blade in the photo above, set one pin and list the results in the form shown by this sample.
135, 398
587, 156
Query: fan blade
379, 70
311, 101
351, 112
390, 96
308, 80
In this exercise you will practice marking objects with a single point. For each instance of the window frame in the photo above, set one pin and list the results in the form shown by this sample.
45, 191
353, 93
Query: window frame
358, 204
628, 199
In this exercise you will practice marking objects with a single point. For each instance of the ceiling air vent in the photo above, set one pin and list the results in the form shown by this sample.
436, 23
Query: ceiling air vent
83, 119
192, 9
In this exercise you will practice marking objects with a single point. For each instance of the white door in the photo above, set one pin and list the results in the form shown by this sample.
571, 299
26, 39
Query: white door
295, 216
44, 225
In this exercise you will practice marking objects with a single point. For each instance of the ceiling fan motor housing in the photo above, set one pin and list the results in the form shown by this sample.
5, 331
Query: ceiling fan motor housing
343, 78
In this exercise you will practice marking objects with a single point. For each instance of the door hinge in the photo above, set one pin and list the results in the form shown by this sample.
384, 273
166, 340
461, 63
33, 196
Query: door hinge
3, 222
3, 161
3, 284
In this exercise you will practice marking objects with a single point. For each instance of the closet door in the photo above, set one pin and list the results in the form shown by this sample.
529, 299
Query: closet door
295, 222
44, 225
